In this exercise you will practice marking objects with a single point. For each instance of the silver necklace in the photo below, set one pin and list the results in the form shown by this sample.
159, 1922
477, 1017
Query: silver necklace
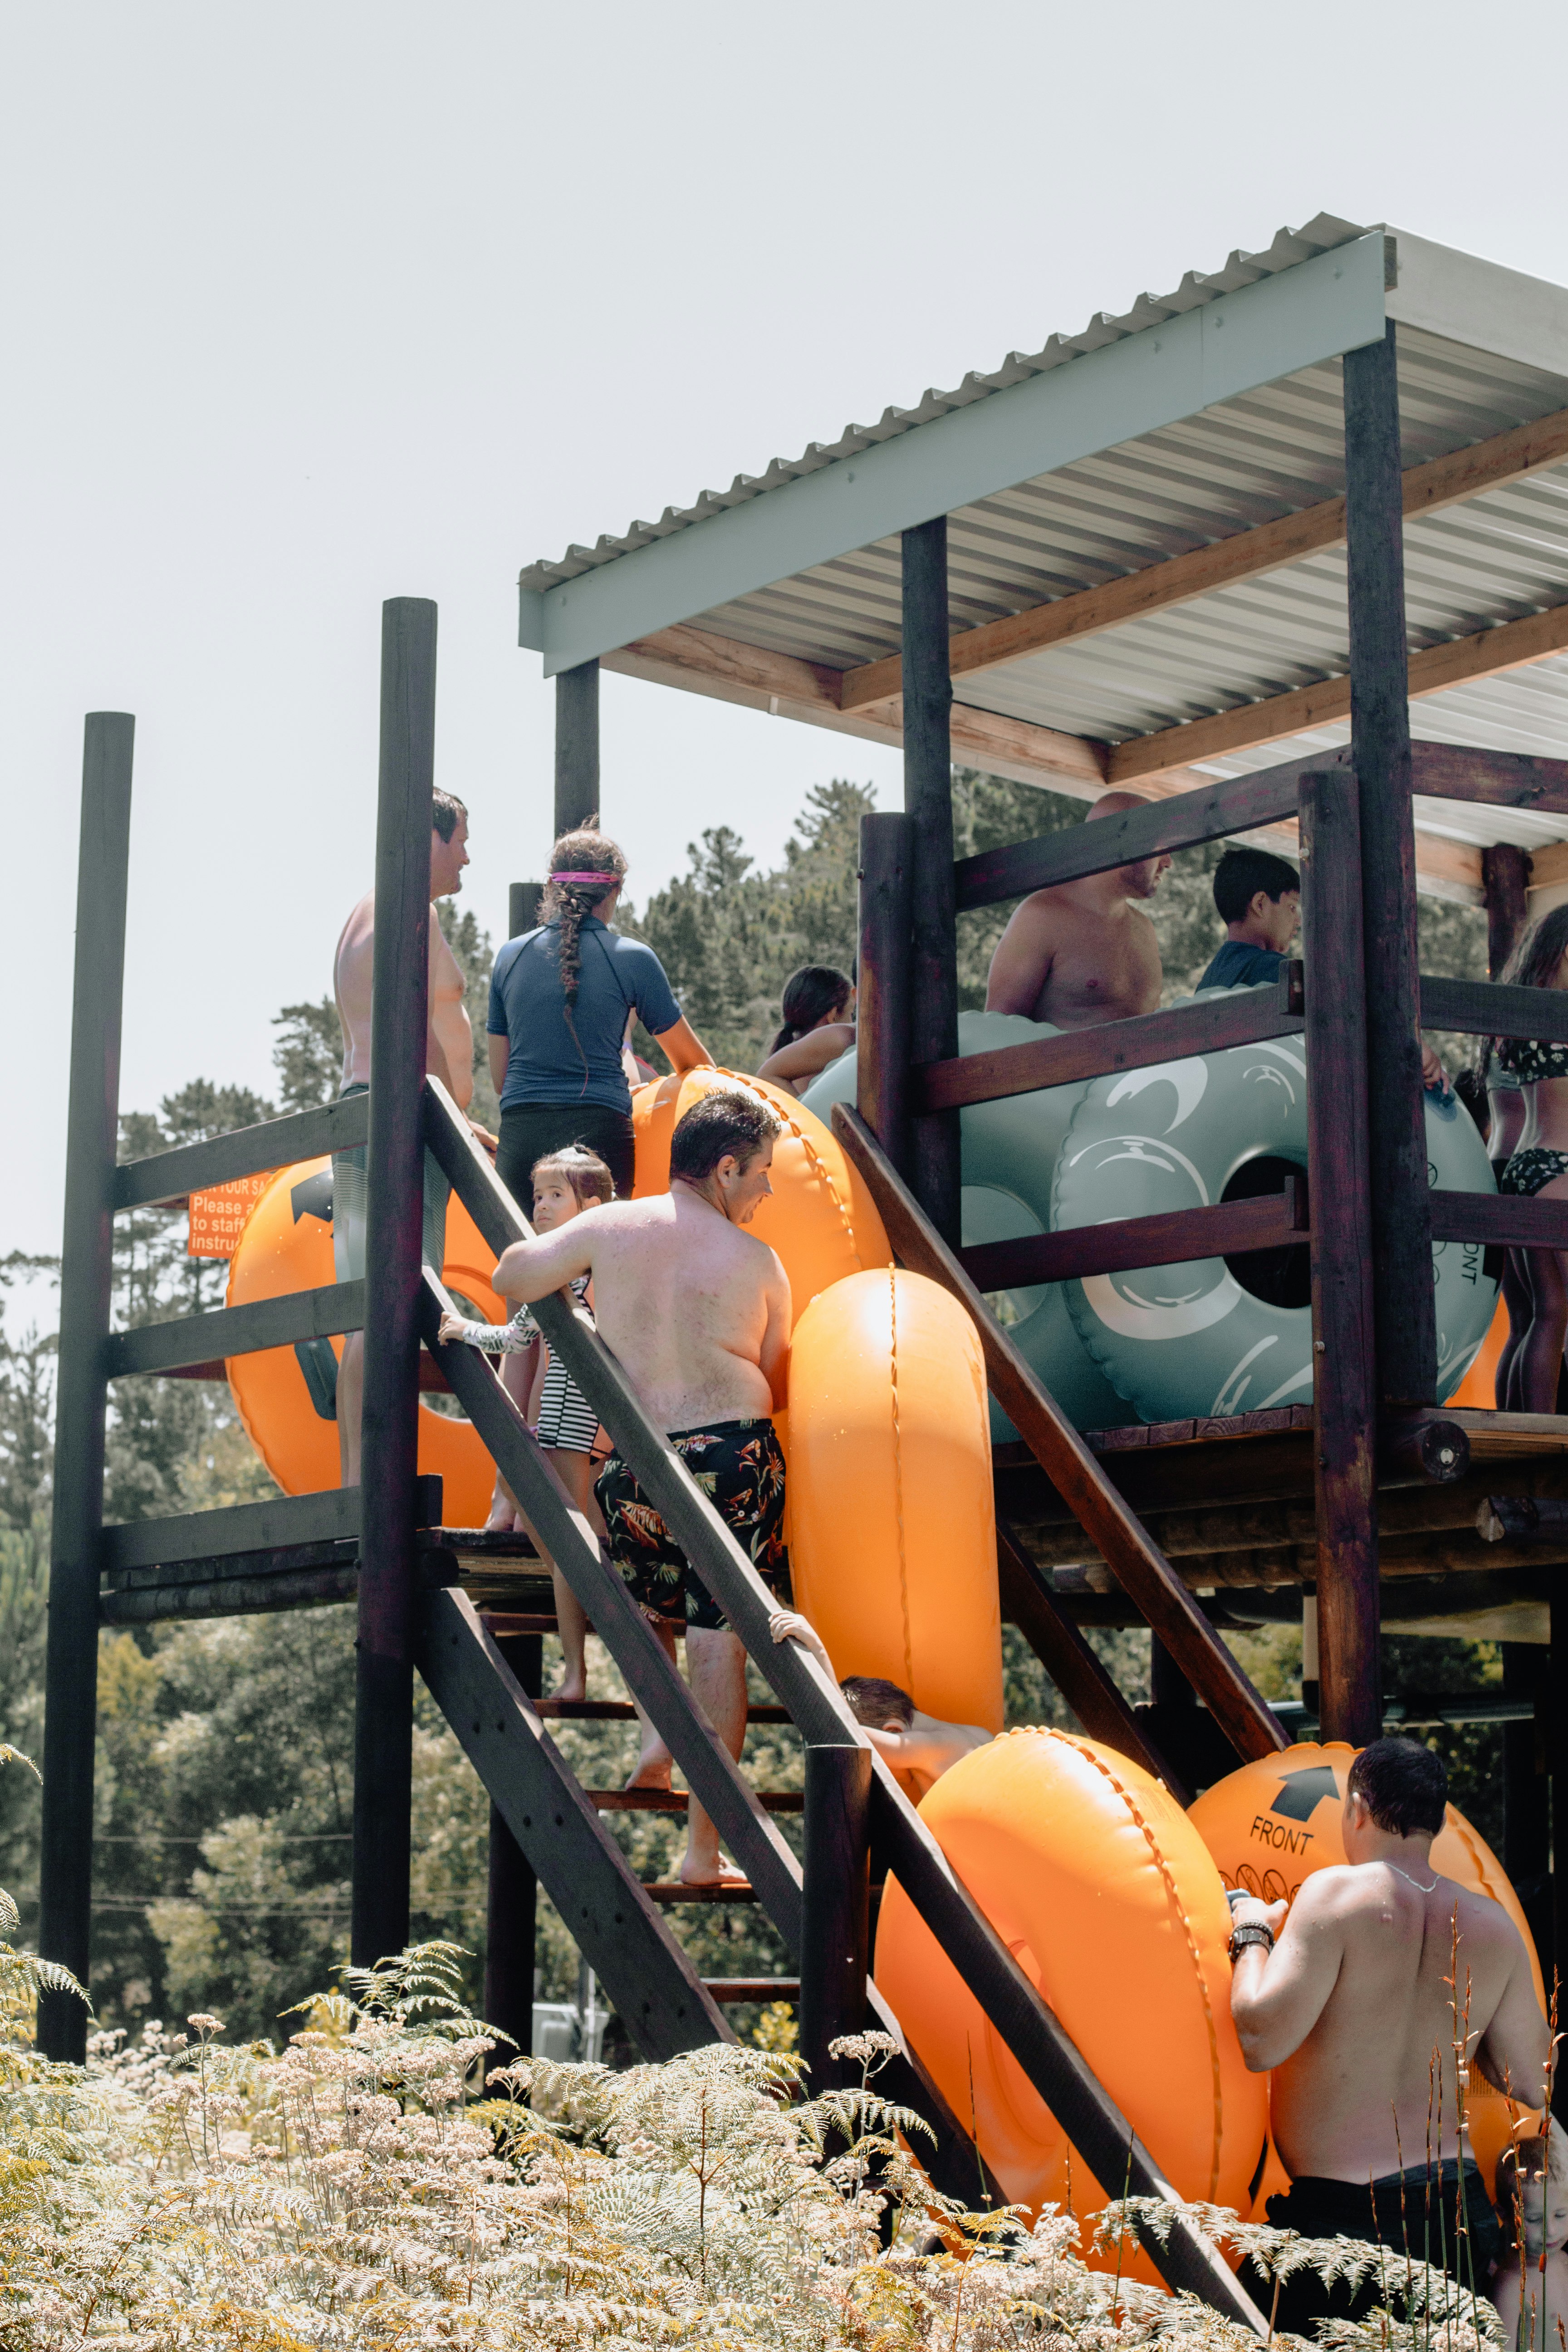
1415, 1882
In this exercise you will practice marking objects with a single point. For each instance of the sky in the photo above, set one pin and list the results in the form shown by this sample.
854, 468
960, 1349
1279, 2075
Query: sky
309, 306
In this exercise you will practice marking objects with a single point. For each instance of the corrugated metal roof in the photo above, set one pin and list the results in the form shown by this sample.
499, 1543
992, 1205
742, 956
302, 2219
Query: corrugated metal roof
1196, 288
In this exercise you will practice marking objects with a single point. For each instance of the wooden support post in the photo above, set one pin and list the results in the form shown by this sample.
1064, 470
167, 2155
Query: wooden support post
577, 746
512, 1915
522, 908
1556, 1708
92, 1120
882, 1018
1526, 1815
1380, 753
1338, 1180
834, 1944
1505, 877
933, 899
389, 1444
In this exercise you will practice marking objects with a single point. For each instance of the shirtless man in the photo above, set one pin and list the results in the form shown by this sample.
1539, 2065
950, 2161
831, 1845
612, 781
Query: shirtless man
448, 1055
1080, 952
697, 1313
919, 1747
1350, 2005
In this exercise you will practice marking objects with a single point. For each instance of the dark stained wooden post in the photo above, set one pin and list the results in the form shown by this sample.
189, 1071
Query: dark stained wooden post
835, 1942
1380, 753
882, 1016
577, 746
1505, 877
384, 1717
1344, 1403
928, 803
87, 1268
1556, 1712
1526, 1818
513, 1895
522, 908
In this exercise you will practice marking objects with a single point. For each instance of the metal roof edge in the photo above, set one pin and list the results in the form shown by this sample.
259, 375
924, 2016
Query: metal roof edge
1178, 361
1483, 304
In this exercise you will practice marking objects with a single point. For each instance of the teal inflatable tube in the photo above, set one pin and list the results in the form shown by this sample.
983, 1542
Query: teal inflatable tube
1010, 1151
1217, 1336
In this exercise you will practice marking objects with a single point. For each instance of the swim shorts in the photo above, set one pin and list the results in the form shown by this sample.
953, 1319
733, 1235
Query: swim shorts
739, 1466
349, 1198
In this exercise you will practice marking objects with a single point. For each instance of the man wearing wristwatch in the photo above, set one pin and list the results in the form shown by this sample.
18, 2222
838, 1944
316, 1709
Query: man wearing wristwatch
1348, 2002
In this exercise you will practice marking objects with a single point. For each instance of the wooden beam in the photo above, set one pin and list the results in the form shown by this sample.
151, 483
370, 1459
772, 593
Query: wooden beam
319, 1313
835, 1939
1222, 1229
1513, 644
1138, 1042
1244, 555
1548, 866
1484, 1008
655, 1986
882, 1033
787, 688
249, 1151
1139, 1566
87, 1279
1029, 1602
331, 1517
389, 1422
577, 746
933, 908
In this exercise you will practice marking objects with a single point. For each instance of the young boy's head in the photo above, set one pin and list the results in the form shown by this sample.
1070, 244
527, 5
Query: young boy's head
1532, 2193
879, 1705
1258, 897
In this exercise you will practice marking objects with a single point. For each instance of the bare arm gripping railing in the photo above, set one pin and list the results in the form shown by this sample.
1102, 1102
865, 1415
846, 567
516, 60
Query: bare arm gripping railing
1050, 2060
1136, 1561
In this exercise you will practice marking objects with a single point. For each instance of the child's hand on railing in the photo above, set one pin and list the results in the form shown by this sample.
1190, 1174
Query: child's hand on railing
452, 1327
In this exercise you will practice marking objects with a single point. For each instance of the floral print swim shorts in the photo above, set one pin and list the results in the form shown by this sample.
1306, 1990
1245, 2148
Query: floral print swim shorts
739, 1466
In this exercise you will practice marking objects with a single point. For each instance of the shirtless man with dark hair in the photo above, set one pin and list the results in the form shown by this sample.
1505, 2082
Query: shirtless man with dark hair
697, 1313
1082, 953
1348, 1999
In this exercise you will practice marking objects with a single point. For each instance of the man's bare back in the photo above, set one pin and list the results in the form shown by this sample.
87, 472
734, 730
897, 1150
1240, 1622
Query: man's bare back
1354, 2007
449, 1040
1080, 953
696, 1311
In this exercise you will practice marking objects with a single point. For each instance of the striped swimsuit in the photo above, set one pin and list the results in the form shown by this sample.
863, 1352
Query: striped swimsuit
567, 1421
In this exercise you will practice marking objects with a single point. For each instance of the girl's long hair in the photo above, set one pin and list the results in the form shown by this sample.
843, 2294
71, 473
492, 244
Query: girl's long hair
810, 996
584, 851
1534, 963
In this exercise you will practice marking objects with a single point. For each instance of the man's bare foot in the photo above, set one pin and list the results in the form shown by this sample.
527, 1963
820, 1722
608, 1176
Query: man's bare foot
651, 1772
697, 1872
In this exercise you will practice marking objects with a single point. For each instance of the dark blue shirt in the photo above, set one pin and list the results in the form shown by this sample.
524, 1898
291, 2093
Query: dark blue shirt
528, 1007
1239, 964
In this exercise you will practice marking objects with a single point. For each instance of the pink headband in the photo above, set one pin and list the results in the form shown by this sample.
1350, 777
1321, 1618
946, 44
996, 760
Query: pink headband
606, 878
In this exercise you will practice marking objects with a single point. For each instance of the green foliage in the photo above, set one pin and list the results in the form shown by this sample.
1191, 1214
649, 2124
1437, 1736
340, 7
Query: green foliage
308, 1054
364, 2188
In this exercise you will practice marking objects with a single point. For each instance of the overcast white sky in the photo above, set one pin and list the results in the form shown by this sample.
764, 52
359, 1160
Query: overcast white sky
308, 305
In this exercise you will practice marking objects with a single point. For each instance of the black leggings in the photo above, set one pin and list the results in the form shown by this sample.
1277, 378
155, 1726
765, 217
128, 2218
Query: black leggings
529, 1132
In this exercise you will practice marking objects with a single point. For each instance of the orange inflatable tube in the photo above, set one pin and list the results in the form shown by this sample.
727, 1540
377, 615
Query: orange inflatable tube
821, 1220
286, 1244
1274, 1821
892, 1524
1107, 1897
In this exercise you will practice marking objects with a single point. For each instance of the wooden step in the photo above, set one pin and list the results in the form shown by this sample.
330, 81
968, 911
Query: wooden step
669, 1891
621, 1710
675, 1801
723, 1988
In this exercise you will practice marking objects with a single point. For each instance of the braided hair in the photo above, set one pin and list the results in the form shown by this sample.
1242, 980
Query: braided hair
585, 850
810, 994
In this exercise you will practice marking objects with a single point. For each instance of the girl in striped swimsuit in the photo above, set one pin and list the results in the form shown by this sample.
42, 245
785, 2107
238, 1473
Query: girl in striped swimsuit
565, 1183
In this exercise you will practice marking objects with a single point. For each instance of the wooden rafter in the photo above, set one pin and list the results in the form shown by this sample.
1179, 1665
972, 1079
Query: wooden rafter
1444, 481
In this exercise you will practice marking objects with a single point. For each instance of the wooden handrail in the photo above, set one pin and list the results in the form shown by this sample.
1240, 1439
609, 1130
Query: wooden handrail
1138, 1564
319, 1313
1500, 1220
1224, 1229
1483, 1008
1050, 2060
279, 1522
1072, 1665
338, 1126
1238, 804
1135, 1044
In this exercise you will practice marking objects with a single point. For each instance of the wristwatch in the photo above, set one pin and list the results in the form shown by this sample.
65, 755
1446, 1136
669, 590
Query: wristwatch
1251, 1931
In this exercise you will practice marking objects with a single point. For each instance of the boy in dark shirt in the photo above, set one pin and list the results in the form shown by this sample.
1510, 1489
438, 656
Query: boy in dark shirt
1260, 901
